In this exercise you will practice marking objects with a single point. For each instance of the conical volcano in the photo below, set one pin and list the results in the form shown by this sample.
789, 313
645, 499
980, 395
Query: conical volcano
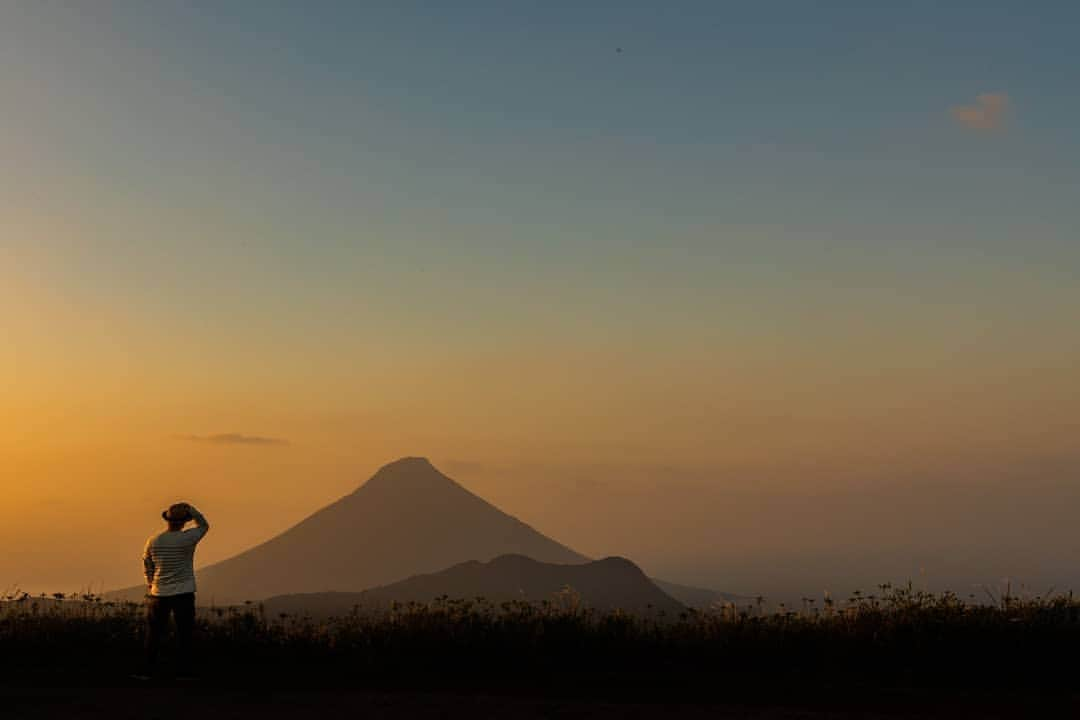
408, 519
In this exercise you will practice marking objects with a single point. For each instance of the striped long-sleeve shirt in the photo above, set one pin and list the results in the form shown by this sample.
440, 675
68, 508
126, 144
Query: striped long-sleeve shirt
169, 559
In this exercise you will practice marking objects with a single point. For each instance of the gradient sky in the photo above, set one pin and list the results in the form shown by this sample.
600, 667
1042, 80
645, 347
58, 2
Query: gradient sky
794, 286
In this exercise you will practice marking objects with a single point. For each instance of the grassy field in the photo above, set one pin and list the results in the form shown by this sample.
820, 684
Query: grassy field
898, 642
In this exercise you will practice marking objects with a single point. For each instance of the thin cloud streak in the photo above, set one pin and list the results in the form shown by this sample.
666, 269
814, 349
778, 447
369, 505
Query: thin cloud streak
988, 112
236, 439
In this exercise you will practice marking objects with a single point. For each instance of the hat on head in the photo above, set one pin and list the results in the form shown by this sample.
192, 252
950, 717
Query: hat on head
177, 513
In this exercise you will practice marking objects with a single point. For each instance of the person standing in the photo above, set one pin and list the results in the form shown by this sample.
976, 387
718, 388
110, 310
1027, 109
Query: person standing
169, 565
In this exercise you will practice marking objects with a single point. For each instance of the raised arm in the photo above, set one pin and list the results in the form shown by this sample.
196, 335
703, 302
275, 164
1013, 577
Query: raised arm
201, 525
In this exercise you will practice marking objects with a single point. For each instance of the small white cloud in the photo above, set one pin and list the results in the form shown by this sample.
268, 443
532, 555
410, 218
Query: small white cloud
988, 112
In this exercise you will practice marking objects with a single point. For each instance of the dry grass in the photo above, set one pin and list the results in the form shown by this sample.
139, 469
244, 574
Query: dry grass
896, 638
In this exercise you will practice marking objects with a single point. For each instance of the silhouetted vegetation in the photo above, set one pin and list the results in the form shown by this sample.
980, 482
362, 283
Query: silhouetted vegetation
897, 638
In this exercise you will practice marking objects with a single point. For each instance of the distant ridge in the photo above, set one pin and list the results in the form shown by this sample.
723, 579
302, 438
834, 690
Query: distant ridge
605, 585
700, 598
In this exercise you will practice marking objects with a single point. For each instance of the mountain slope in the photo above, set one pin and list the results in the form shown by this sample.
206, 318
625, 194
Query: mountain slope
608, 584
408, 518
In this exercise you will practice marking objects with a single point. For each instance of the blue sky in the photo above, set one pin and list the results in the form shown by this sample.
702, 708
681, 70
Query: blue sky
759, 113
775, 147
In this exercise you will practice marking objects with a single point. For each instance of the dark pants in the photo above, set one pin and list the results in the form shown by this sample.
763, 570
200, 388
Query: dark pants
182, 608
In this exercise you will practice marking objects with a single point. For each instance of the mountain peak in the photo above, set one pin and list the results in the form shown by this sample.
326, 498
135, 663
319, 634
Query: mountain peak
406, 470
409, 463
408, 476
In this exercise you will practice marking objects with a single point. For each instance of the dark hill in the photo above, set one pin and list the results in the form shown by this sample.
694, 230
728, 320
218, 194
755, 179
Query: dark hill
608, 584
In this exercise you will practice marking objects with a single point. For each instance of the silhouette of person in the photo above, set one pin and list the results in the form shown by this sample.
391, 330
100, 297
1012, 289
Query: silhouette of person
169, 564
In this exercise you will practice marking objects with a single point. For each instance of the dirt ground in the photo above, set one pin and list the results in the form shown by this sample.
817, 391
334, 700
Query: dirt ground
166, 703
